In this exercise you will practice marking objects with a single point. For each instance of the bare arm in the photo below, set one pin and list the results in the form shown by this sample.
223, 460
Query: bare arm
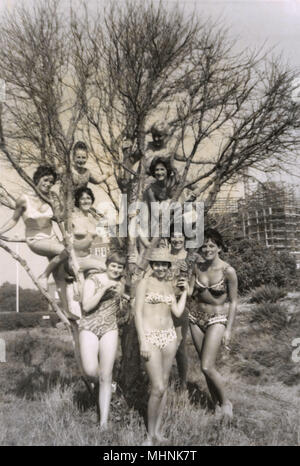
9, 224
139, 305
100, 179
232, 292
178, 307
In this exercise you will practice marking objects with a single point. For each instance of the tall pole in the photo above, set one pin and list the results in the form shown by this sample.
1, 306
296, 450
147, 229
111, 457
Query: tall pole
17, 279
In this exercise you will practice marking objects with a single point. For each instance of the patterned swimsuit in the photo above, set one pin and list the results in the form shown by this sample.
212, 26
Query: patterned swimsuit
205, 319
104, 317
160, 337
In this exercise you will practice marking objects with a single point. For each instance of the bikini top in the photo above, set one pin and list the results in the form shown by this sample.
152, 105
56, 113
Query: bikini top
156, 298
80, 180
83, 226
215, 289
37, 217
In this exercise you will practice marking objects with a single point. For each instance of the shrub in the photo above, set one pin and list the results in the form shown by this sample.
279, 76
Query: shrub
258, 265
13, 320
30, 300
272, 317
267, 293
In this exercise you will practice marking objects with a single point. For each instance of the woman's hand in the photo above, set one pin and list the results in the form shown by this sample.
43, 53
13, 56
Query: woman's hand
144, 351
115, 287
226, 338
182, 283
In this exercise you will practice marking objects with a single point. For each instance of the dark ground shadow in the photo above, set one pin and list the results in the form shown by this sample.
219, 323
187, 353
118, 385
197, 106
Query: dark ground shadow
38, 382
199, 397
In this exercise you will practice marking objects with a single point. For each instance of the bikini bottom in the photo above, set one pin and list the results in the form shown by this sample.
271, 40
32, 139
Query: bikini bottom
205, 320
47, 245
161, 338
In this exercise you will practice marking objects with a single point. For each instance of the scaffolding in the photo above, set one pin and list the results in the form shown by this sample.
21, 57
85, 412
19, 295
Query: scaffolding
273, 218
270, 215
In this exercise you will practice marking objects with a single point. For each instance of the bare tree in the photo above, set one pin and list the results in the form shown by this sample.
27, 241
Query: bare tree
113, 73
42, 108
148, 61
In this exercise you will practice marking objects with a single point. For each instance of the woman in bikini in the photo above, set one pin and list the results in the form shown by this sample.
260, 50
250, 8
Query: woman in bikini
98, 331
155, 300
212, 313
83, 233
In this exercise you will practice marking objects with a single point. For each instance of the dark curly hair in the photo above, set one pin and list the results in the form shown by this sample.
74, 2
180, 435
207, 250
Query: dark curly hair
165, 161
79, 192
117, 257
44, 170
215, 237
80, 145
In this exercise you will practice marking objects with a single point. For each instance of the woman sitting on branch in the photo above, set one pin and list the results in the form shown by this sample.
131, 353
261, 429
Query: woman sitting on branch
38, 215
81, 175
83, 235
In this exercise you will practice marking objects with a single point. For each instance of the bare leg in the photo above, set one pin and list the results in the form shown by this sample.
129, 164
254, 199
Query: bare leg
53, 264
158, 367
108, 346
211, 345
50, 248
89, 350
168, 355
181, 355
198, 339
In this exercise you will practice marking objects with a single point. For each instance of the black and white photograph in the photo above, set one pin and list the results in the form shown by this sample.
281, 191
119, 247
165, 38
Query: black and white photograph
150, 225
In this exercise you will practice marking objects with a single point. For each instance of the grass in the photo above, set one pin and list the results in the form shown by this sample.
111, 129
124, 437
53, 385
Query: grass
267, 293
44, 402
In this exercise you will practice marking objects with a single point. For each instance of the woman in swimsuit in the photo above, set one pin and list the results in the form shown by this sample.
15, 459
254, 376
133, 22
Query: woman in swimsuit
212, 313
178, 270
165, 181
80, 174
98, 331
84, 233
155, 300
37, 215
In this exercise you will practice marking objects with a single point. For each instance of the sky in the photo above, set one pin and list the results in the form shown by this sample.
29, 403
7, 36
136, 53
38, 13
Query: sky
252, 23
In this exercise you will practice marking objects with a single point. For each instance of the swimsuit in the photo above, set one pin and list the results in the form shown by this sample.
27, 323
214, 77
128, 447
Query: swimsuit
38, 221
38, 227
161, 338
80, 180
104, 317
156, 298
205, 319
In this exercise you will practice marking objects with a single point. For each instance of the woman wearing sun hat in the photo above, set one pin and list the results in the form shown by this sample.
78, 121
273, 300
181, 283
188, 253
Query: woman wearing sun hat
155, 301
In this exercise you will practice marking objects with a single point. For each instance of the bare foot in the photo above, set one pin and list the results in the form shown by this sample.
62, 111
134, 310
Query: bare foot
43, 282
227, 409
103, 427
160, 438
148, 442
218, 411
